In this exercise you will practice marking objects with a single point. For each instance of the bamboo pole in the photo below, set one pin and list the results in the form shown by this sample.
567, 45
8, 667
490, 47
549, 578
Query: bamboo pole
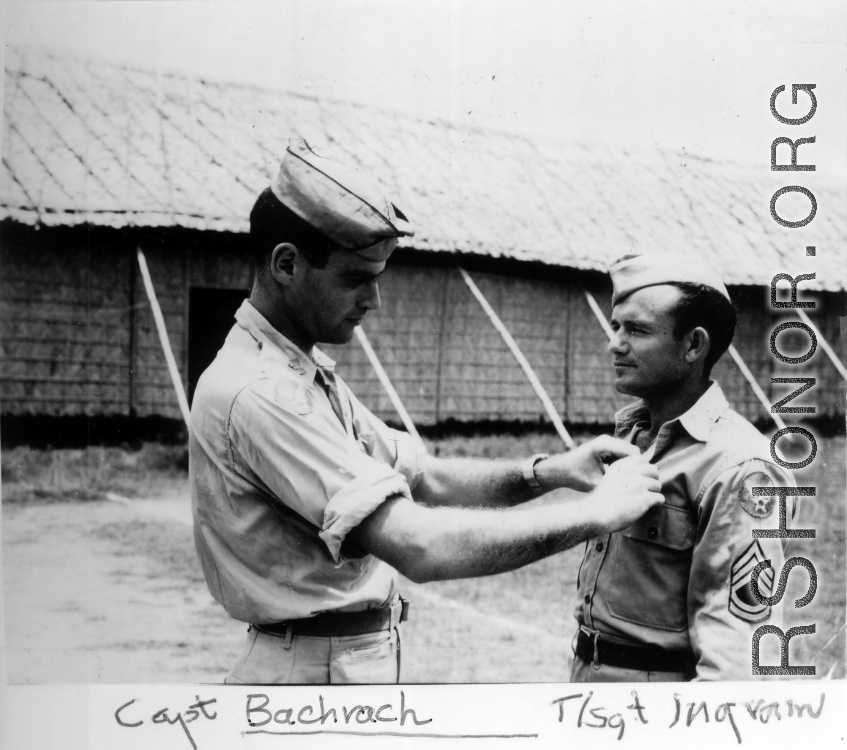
386, 384
522, 360
163, 338
733, 352
824, 344
598, 313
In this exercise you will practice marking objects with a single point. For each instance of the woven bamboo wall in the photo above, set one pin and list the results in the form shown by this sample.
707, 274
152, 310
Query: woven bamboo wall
77, 335
64, 326
447, 361
405, 333
445, 358
592, 398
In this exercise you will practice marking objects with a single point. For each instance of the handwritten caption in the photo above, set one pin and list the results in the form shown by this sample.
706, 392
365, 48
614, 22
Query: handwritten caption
685, 714
272, 713
131, 719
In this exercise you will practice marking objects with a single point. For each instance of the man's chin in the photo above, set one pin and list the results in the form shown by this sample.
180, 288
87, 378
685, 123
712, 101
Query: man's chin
339, 338
627, 389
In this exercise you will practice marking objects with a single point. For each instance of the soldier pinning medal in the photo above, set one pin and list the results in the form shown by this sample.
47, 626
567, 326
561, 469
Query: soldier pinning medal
307, 508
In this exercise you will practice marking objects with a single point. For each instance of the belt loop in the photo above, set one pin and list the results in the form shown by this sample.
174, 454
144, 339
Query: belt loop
396, 609
286, 641
596, 662
399, 652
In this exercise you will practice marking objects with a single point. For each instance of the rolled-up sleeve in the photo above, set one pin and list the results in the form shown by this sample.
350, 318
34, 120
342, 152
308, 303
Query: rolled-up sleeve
301, 457
356, 501
722, 614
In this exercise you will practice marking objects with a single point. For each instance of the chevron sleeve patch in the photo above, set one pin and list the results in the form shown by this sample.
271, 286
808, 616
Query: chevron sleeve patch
742, 603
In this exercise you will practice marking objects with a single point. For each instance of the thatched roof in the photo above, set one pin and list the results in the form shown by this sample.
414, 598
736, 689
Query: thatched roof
114, 145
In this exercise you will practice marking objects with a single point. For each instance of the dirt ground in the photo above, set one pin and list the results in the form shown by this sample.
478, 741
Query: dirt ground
83, 607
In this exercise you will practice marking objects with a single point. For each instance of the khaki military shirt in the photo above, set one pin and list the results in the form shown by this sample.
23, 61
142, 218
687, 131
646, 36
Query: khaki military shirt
679, 577
278, 481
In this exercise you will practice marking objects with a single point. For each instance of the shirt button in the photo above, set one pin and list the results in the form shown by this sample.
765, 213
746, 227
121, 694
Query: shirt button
587, 599
652, 532
599, 546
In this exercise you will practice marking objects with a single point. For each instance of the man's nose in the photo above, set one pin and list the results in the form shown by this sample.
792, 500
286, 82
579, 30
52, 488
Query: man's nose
370, 299
615, 344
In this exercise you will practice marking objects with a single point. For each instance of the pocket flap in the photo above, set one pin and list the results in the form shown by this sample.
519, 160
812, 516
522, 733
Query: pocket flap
666, 525
367, 443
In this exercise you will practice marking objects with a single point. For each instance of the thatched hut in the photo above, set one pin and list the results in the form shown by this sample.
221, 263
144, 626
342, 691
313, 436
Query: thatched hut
100, 159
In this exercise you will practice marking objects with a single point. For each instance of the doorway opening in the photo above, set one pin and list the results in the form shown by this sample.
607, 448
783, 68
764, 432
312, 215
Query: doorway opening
211, 315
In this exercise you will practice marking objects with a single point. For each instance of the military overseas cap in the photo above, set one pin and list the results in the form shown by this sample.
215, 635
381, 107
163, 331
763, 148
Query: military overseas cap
634, 272
339, 201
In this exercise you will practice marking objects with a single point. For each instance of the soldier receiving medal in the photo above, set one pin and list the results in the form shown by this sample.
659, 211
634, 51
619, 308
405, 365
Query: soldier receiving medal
668, 598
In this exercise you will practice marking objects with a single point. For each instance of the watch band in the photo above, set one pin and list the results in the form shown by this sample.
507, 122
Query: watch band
529, 469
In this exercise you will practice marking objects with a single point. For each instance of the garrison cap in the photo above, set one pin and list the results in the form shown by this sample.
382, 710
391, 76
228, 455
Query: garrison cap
339, 201
634, 272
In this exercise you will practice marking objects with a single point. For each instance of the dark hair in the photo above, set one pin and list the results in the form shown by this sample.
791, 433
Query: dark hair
271, 223
707, 308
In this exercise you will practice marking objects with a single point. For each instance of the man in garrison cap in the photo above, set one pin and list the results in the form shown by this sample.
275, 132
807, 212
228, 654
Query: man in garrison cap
668, 598
306, 505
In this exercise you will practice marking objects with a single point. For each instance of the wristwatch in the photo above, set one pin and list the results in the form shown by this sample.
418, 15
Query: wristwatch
529, 469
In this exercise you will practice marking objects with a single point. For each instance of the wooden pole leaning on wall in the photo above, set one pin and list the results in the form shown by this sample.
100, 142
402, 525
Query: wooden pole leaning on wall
824, 344
598, 313
733, 352
521, 359
163, 337
386, 384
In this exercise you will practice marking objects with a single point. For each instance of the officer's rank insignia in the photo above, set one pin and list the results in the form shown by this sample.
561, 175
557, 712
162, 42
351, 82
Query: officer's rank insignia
742, 603
295, 365
760, 506
294, 397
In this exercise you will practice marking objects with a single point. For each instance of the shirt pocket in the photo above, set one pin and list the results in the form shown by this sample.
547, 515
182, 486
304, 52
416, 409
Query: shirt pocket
380, 450
367, 443
652, 568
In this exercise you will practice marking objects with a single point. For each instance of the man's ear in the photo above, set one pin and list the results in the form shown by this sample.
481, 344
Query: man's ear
284, 261
699, 344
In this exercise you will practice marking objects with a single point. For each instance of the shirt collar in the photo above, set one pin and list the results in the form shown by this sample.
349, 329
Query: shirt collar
700, 418
697, 421
278, 348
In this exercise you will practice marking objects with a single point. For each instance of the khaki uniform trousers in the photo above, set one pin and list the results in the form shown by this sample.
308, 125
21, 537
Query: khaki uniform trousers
582, 671
270, 659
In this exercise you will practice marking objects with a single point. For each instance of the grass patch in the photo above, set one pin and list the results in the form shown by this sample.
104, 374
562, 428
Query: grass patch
68, 475
498, 445
31, 475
